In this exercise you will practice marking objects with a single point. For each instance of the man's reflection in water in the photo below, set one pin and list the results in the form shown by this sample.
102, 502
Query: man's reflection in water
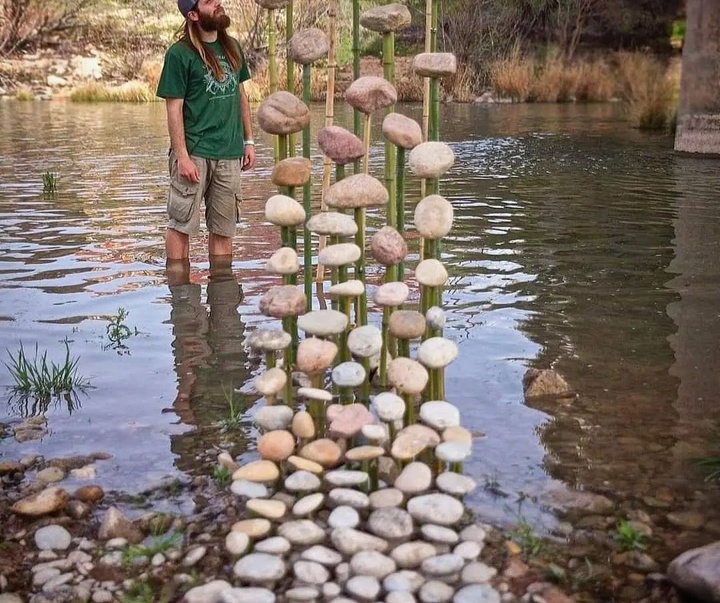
210, 360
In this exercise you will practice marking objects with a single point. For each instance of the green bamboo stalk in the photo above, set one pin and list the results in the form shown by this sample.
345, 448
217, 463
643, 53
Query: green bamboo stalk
365, 387
307, 197
389, 73
272, 65
400, 196
361, 301
357, 121
434, 129
290, 64
409, 409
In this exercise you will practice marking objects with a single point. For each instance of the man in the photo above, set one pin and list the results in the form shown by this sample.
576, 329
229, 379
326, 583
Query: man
210, 129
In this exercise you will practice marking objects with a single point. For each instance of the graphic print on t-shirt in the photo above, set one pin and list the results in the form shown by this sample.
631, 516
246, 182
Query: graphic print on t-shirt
226, 86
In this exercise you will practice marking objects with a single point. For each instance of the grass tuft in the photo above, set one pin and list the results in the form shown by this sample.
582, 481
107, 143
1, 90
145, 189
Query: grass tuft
50, 181
647, 89
629, 537
130, 92
513, 77
24, 94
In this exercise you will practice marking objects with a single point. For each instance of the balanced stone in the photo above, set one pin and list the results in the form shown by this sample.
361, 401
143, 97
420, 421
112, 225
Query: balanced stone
276, 445
348, 374
375, 432
441, 534
282, 210
308, 45
433, 217
323, 323
406, 324
414, 478
310, 572
388, 406
431, 273
388, 247
386, 497
357, 191
387, 18
346, 477
350, 421
370, 93
302, 481
323, 451
247, 489
410, 555
272, 4
346, 497
441, 509
270, 383
293, 171
365, 588
457, 434
455, 483
283, 113
304, 532
437, 352
439, 414
402, 131
308, 504
301, 464
315, 355
391, 523
453, 452
434, 64
322, 555
435, 318
431, 159
351, 288
303, 425
391, 294
408, 376
372, 563
272, 509
314, 393
333, 224
269, 340
340, 145
412, 440
364, 453
259, 568
343, 517
271, 418
283, 301
283, 261
339, 254
365, 341
257, 471
253, 528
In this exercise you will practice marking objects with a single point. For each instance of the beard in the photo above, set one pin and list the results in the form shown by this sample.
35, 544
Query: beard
215, 22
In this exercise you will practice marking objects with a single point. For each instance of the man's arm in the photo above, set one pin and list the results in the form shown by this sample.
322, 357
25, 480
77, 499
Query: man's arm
249, 151
176, 127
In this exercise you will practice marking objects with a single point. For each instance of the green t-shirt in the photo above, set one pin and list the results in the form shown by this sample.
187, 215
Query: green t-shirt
211, 111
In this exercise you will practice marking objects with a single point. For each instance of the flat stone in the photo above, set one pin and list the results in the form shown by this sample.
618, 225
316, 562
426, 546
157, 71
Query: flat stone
391, 294
269, 340
442, 565
304, 532
477, 572
439, 414
315, 355
276, 445
441, 534
402, 131
323, 323
455, 483
435, 318
52, 538
433, 217
271, 418
389, 407
345, 477
349, 541
414, 478
212, 591
370, 93
366, 588
364, 453
436, 508
340, 145
258, 471
50, 475
270, 383
474, 533
437, 352
357, 191
431, 159
293, 171
365, 341
308, 504
325, 452
477, 593
283, 301
322, 555
282, 210
375, 432
469, 551
308, 45
247, 594
351, 288
283, 261
410, 555
332, 224
259, 568
407, 376
339, 254
302, 464
406, 324
350, 420
434, 64
343, 517
408, 581
302, 481
391, 523
303, 426
388, 247
282, 113
348, 374
246, 489
49, 500
254, 528
372, 563
310, 572
457, 434
346, 497
386, 498
275, 545
453, 452
313, 393
271, 509
387, 18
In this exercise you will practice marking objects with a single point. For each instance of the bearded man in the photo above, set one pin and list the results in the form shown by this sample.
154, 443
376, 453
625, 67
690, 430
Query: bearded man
210, 128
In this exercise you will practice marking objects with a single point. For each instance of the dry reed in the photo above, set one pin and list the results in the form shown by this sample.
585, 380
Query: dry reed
646, 86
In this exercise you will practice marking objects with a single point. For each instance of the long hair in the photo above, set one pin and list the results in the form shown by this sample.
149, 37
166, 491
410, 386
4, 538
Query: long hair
190, 35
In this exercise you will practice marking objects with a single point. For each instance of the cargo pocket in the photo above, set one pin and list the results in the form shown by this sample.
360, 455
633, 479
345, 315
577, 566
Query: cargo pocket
181, 198
238, 207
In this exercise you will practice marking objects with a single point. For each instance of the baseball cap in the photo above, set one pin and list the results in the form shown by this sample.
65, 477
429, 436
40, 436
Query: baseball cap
185, 6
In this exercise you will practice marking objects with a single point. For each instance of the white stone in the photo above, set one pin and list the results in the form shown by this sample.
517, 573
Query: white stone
246, 489
431, 273
282, 210
414, 478
323, 555
430, 159
349, 541
391, 523
435, 591
410, 555
348, 374
366, 588
332, 224
388, 406
442, 565
308, 504
477, 593
274, 417
52, 537
351, 288
344, 517
433, 217
372, 563
302, 481
365, 341
437, 352
453, 452
208, 593
345, 497
339, 254
302, 532
435, 318
391, 294
247, 595
275, 545
283, 261
310, 572
346, 477
323, 323
269, 340
439, 414
439, 534
313, 393
455, 483
436, 508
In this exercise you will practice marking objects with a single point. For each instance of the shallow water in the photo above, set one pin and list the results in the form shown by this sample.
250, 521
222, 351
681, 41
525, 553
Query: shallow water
580, 244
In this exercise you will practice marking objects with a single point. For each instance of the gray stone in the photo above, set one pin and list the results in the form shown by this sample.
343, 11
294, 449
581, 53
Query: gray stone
302, 532
208, 593
308, 45
434, 217
357, 191
366, 588
372, 563
323, 323
439, 534
344, 517
275, 545
370, 93
430, 159
477, 593
274, 417
435, 591
52, 537
283, 261
391, 523
402, 131
323, 555
349, 541
455, 483
269, 340
333, 224
283, 301
259, 568
282, 113
697, 572
365, 341
339, 254
340, 145
436, 508
386, 18
348, 374
391, 294
310, 572
247, 595
435, 64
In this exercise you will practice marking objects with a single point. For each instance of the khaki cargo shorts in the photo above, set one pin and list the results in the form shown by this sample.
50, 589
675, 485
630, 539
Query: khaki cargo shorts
219, 188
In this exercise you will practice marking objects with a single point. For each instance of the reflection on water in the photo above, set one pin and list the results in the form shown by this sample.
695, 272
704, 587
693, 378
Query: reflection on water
579, 244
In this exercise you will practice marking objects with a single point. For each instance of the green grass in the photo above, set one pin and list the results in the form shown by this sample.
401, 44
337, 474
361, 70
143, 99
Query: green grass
24, 94
42, 379
522, 533
679, 29
139, 592
711, 464
50, 181
132, 92
628, 537
117, 331
222, 475
235, 409
158, 545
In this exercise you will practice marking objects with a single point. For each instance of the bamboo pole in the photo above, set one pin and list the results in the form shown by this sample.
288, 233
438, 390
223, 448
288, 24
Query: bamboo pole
290, 65
360, 220
389, 73
357, 122
307, 197
272, 66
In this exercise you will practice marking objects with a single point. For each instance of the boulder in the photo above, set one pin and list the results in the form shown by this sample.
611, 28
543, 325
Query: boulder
293, 171
308, 45
402, 131
697, 572
387, 18
283, 113
340, 145
370, 93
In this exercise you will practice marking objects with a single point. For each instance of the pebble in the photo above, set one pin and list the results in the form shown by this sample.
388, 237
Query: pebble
308, 504
275, 545
246, 489
391, 523
302, 481
254, 528
245, 595
437, 353
404, 580
348, 498
194, 555
259, 568
439, 534
52, 537
348, 374
436, 508
349, 541
477, 572
389, 407
322, 555
468, 550
443, 565
311, 572
477, 593
346, 477
455, 483
366, 588
474, 533
435, 591
343, 517
410, 555
414, 478
274, 417
302, 593
272, 509
302, 532
372, 563
212, 591
386, 497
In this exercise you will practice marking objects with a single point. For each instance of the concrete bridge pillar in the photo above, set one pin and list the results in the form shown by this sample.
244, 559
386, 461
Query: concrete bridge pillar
698, 127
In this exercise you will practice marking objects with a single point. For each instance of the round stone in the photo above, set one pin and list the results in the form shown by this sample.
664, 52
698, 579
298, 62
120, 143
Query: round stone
391, 523
237, 543
346, 477
431, 273
477, 572
468, 550
259, 568
388, 246
387, 18
340, 254
253, 528
375, 432
52, 538
351, 288
435, 318
372, 563
302, 481
439, 414
389, 407
431, 159
323, 323
412, 440
310, 572
453, 452
269, 340
270, 382
457, 434
308, 504
322, 555
282, 210
437, 352
343, 517
282, 113
257, 471
293, 171
391, 294
332, 224
410, 555
477, 593
406, 324
345, 497
364, 453
283, 261
276, 445
245, 489
435, 591
474, 533
385, 498
277, 545
455, 483
414, 478
370, 93
440, 534
323, 451
434, 64
365, 341
407, 376
357, 191
308, 45
271, 418
300, 594
271, 509
350, 420
436, 508
340, 145
348, 374
303, 425
315, 355
366, 588
302, 532
402, 131
433, 217
314, 393
283, 301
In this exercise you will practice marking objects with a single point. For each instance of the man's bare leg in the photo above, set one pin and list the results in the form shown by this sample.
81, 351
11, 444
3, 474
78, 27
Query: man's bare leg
177, 245
218, 245
177, 272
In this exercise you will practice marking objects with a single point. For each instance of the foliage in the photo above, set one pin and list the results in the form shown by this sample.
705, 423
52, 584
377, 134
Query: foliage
138, 592
712, 465
235, 411
117, 331
132, 92
24, 94
647, 90
629, 537
222, 475
157, 545
49, 184
522, 533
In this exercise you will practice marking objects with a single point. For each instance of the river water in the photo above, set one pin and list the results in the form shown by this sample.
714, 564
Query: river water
580, 244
